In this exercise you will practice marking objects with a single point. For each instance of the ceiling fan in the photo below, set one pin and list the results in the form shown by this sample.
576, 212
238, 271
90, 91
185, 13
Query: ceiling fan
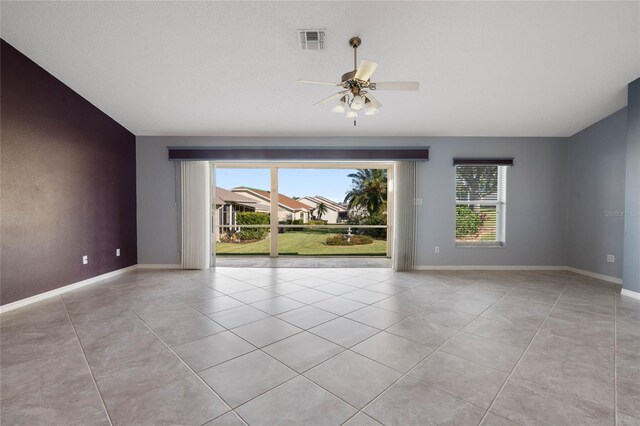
357, 86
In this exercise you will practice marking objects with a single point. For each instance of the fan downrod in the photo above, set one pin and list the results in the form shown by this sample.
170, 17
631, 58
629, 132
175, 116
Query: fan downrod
355, 42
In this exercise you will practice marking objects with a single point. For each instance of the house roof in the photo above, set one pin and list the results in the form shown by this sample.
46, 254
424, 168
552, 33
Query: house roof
330, 202
317, 199
224, 196
283, 200
309, 201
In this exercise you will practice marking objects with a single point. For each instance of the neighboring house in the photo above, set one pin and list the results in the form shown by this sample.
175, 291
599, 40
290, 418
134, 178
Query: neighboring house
343, 214
228, 204
288, 208
335, 212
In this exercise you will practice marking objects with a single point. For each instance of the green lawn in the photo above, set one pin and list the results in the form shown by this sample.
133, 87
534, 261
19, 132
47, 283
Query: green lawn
304, 243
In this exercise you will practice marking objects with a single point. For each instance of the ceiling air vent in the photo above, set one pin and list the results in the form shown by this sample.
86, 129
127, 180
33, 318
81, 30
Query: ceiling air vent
312, 39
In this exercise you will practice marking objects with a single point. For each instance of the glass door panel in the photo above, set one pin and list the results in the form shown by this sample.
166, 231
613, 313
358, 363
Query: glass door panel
332, 212
241, 211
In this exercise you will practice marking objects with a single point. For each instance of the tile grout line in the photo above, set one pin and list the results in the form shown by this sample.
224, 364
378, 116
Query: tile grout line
286, 381
84, 355
187, 365
426, 358
256, 349
345, 349
305, 305
521, 357
267, 313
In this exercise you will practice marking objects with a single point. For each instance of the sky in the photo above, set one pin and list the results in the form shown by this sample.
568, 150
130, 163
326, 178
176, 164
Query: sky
330, 183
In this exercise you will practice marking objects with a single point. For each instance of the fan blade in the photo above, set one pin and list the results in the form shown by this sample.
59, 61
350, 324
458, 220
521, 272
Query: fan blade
399, 85
365, 70
326, 83
373, 100
329, 98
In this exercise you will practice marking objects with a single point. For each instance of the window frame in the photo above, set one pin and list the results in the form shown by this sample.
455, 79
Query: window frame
501, 208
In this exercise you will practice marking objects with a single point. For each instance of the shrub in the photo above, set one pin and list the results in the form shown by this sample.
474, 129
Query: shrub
467, 222
337, 240
252, 218
362, 239
294, 222
356, 240
376, 219
252, 234
317, 222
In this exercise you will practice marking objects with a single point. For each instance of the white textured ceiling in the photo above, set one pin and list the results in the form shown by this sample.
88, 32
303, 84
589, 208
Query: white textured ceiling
229, 68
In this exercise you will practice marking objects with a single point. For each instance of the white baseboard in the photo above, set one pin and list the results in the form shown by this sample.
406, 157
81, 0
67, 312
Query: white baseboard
595, 275
518, 268
159, 266
630, 293
489, 268
55, 292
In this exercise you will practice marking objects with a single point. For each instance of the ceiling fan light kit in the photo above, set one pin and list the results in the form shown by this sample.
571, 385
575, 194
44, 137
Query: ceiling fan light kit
357, 86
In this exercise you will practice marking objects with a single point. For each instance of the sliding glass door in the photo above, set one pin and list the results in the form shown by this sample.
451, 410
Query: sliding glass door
311, 209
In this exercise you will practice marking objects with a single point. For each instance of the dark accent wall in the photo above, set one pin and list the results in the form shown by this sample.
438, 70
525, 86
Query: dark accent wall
68, 184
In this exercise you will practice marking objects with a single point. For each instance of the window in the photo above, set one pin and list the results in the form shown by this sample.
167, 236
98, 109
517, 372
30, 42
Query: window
480, 205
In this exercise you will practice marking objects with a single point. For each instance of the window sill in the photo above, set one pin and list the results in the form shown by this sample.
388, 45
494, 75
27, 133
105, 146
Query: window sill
481, 245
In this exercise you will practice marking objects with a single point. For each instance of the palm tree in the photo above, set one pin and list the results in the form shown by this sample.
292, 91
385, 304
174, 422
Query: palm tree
321, 209
368, 190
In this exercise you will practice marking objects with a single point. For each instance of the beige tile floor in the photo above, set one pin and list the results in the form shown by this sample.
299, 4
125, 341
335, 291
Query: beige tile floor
307, 346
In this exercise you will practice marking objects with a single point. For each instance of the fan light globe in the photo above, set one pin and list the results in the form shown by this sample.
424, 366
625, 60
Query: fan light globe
371, 111
352, 114
340, 106
357, 103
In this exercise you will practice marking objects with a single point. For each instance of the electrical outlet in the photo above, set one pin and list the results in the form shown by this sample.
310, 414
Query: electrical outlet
611, 258
437, 250
85, 260
117, 252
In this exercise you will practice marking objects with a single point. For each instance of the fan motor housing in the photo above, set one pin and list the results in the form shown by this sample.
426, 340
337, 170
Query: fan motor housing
348, 76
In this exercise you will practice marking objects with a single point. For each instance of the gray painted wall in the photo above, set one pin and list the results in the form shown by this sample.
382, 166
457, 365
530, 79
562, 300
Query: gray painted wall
596, 194
534, 207
631, 273
535, 196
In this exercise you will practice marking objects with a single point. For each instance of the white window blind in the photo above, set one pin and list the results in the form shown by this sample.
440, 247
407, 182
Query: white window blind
196, 214
480, 204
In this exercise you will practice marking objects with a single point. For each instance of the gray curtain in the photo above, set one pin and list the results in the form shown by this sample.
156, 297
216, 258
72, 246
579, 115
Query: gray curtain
405, 190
